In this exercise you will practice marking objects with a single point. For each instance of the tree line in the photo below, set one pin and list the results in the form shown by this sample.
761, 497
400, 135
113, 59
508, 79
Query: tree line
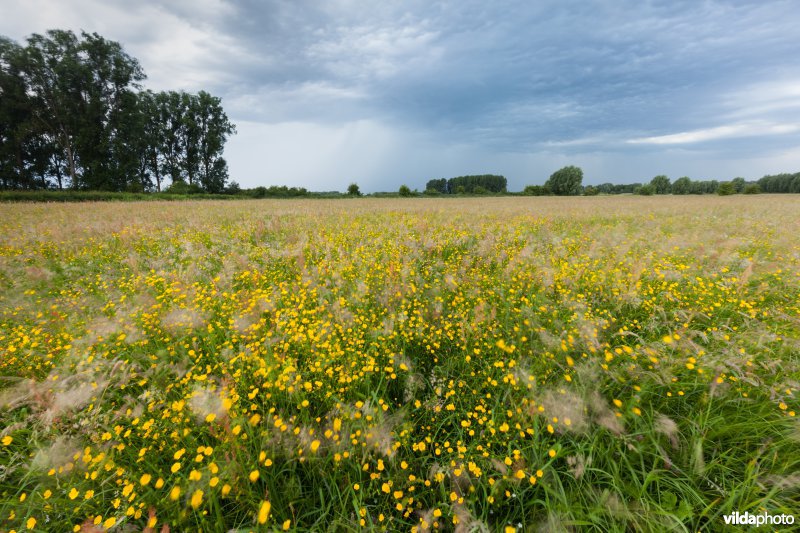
73, 115
568, 182
476, 184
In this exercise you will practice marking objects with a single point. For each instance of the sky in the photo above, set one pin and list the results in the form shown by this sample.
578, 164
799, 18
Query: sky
384, 93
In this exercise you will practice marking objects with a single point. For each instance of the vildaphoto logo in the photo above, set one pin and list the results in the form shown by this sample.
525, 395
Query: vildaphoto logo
764, 519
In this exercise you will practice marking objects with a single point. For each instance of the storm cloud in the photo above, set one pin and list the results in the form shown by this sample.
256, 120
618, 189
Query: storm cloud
390, 93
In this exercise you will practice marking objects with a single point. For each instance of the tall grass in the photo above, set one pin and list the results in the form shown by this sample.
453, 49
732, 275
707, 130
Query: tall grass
606, 364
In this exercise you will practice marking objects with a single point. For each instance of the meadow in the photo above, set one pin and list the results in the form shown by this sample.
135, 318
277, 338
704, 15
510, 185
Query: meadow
484, 364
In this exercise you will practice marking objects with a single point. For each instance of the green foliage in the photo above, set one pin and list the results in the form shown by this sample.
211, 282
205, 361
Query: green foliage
181, 187
591, 190
739, 184
660, 184
353, 190
566, 181
490, 183
751, 188
72, 116
682, 186
726, 188
404, 191
536, 190
438, 185
780, 183
646, 190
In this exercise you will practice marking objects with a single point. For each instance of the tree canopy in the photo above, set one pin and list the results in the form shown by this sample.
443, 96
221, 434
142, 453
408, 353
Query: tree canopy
72, 114
473, 184
566, 181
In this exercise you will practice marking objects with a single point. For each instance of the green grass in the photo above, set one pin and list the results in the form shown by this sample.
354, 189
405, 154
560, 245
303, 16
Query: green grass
601, 364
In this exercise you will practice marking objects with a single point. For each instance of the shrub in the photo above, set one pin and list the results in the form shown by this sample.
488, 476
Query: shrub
726, 188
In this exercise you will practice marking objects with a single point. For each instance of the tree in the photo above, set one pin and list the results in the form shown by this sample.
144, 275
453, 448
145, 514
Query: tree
535, 190
646, 190
71, 114
660, 184
404, 191
438, 185
738, 185
682, 186
353, 190
566, 181
212, 130
726, 188
79, 88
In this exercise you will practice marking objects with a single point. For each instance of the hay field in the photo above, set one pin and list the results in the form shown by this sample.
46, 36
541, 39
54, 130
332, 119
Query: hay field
500, 364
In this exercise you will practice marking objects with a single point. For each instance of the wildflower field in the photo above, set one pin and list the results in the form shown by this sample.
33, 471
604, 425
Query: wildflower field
497, 364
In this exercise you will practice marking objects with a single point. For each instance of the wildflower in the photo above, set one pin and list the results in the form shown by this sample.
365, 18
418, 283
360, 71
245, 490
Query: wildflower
263, 512
197, 499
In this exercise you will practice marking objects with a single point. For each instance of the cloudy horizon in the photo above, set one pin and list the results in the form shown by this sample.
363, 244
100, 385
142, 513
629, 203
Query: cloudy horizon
390, 93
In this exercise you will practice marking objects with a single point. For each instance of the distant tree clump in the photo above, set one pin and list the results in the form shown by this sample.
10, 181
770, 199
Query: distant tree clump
780, 183
726, 188
590, 190
739, 185
535, 190
490, 183
751, 188
353, 190
660, 185
682, 185
646, 190
437, 185
566, 181
404, 191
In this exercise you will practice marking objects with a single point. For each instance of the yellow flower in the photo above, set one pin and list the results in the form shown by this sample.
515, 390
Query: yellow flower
109, 523
226, 489
175, 493
287, 524
254, 476
210, 417
263, 512
145, 479
8, 439
314, 446
73, 493
197, 499
31, 523
551, 453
